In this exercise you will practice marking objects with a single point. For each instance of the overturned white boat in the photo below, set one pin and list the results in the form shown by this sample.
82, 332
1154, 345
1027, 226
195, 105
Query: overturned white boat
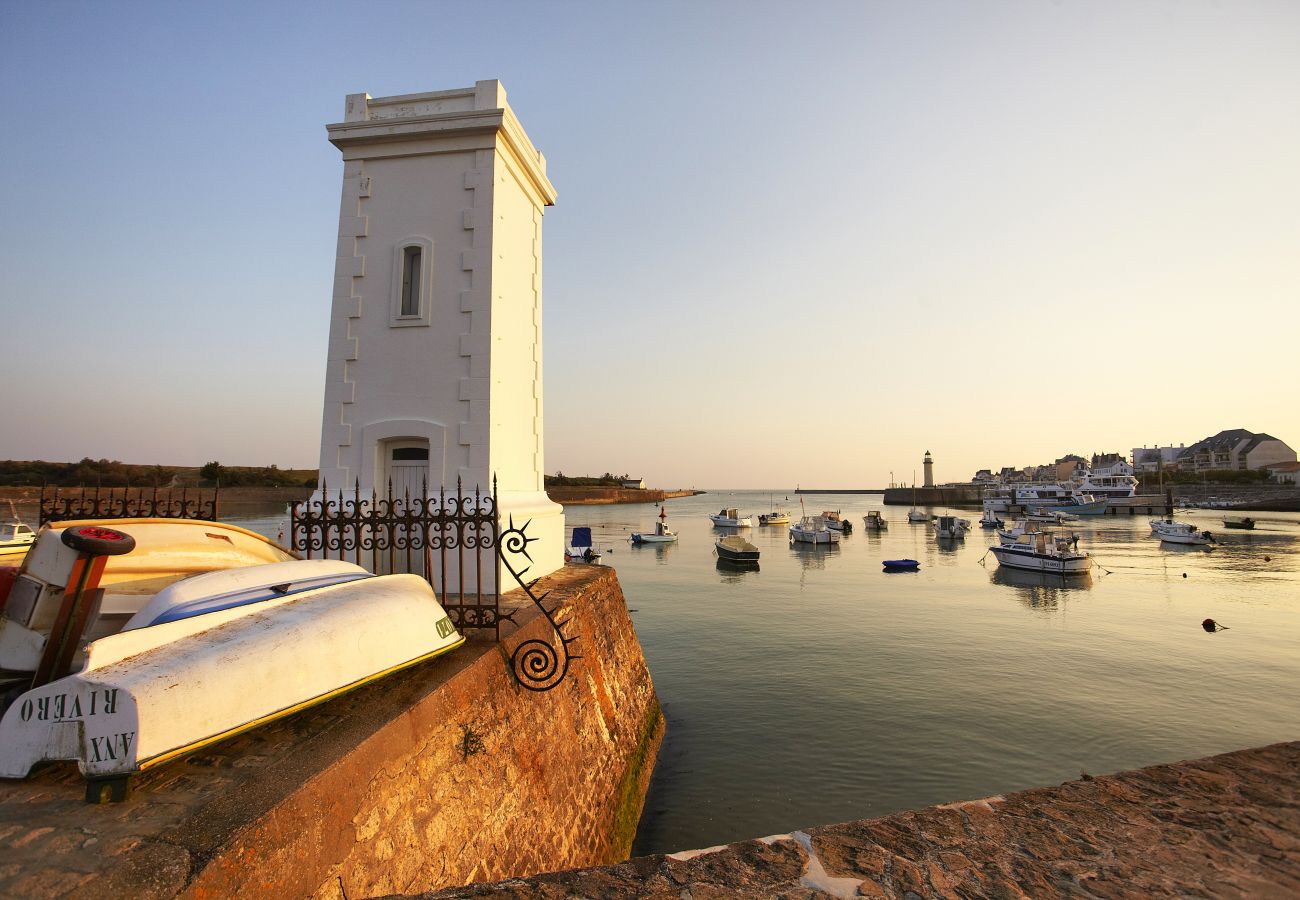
206, 658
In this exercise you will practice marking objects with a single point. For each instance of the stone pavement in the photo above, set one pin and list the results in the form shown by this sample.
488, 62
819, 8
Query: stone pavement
1224, 826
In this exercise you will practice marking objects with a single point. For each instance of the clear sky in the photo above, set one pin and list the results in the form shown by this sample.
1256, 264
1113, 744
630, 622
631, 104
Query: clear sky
794, 243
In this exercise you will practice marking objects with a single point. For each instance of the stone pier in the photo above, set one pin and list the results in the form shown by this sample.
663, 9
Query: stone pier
445, 774
1225, 826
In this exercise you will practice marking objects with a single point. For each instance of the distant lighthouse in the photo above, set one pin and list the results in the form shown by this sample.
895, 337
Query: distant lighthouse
928, 464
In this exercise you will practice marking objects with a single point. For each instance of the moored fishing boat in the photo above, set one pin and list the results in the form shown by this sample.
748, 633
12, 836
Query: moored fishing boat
989, 520
916, 517
812, 530
835, 522
15, 540
1011, 535
730, 517
1238, 522
735, 548
874, 521
1040, 551
1172, 532
205, 658
1053, 517
774, 516
950, 527
661, 535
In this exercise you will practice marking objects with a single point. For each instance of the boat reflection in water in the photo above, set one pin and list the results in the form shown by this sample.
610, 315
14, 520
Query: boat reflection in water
814, 556
1041, 590
733, 570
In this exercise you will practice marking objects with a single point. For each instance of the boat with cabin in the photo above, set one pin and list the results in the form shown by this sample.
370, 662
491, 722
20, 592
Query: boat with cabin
1022, 527
813, 530
835, 522
661, 535
1171, 532
1041, 551
989, 520
1244, 522
874, 521
774, 516
15, 540
124, 650
950, 527
730, 517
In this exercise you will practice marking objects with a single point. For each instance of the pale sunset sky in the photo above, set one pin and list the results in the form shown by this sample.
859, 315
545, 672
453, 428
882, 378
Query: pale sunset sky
794, 243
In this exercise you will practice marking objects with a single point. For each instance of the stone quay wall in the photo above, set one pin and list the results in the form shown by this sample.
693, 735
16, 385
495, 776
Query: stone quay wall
1225, 826
445, 774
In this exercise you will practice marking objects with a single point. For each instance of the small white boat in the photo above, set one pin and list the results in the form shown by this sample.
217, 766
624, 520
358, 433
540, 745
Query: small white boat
774, 516
729, 517
1011, 535
950, 527
580, 548
874, 521
1053, 517
662, 533
1039, 551
204, 659
812, 530
16, 539
835, 522
1172, 532
916, 517
734, 548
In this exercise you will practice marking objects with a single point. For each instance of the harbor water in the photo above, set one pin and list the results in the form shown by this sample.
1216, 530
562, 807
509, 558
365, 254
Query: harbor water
820, 689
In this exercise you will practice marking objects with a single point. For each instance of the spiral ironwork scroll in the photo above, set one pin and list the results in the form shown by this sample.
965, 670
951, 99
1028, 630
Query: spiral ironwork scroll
538, 665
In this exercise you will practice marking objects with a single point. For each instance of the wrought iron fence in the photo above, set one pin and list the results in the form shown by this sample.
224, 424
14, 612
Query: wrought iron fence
110, 504
453, 541
442, 538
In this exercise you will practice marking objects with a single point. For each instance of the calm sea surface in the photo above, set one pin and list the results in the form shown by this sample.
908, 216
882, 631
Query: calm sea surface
819, 689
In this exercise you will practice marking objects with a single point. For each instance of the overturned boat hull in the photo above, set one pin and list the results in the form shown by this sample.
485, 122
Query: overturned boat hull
149, 695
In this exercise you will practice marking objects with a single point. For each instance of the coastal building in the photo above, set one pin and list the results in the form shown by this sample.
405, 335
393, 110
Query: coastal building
434, 368
1108, 465
1237, 449
1149, 460
1285, 472
634, 484
927, 465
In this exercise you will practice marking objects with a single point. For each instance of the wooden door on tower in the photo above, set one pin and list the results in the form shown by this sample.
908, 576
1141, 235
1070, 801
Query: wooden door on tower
408, 468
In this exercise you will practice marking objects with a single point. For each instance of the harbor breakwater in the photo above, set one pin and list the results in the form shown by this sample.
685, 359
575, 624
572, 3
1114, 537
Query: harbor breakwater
445, 774
599, 496
1224, 826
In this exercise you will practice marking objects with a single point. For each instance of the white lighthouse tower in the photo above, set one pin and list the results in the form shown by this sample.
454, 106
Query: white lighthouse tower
928, 466
435, 346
